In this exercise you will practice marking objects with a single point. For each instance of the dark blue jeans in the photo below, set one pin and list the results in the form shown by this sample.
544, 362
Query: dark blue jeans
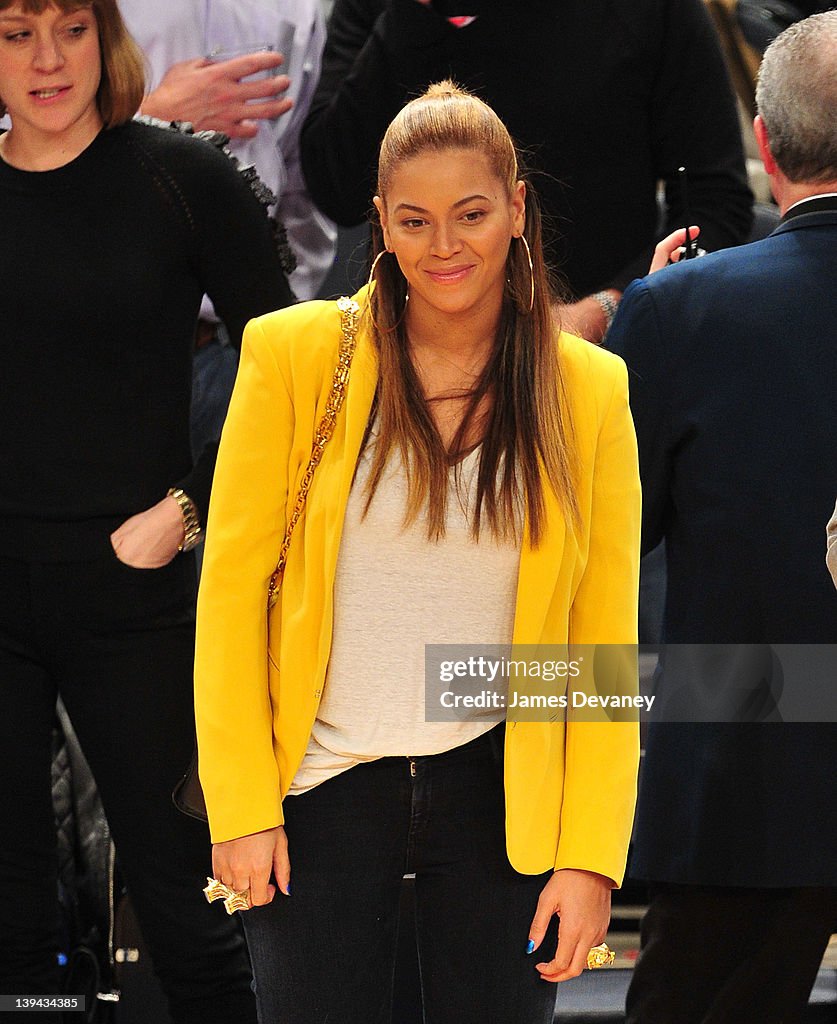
117, 644
327, 952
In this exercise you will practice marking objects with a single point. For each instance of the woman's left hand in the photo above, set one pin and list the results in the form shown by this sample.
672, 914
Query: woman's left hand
150, 539
582, 901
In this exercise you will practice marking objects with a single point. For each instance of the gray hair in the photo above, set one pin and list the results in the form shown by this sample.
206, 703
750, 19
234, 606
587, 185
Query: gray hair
797, 98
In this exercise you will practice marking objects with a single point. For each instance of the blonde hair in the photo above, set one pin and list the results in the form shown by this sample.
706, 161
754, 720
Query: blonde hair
123, 78
527, 438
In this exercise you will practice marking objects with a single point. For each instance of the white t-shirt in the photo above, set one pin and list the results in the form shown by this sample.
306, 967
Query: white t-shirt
394, 592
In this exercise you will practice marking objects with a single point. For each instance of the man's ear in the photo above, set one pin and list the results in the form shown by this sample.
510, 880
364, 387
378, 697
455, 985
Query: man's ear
763, 143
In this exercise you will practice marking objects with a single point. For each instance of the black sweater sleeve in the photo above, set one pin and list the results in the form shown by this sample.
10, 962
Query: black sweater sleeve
236, 259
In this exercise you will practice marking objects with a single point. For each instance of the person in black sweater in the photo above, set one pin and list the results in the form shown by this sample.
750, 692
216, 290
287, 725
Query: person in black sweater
607, 97
112, 232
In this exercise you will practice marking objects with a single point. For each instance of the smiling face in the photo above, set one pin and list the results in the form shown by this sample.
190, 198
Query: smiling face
50, 69
450, 220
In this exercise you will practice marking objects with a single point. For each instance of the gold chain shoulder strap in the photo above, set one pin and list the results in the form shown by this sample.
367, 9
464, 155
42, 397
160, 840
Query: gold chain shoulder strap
349, 314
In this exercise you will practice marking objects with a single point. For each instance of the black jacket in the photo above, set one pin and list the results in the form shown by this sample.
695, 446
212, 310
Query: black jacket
606, 97
732, 362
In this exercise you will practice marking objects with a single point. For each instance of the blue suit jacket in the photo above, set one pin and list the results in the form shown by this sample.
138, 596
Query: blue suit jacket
733, 369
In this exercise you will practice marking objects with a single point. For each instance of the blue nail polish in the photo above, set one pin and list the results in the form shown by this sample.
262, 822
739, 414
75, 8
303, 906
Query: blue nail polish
288, 889
530, 947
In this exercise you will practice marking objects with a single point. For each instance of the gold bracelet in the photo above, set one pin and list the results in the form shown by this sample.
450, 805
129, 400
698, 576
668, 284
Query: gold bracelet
192, 531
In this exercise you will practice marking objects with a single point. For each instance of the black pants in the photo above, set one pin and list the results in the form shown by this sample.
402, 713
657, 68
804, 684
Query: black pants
327, 952
117, 644
716, 955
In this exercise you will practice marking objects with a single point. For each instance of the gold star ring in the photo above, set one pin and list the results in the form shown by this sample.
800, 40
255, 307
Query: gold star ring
600, 956
233, 900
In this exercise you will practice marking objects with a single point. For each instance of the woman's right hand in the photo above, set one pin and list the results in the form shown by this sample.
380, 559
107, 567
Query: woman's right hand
150, 539
247, 863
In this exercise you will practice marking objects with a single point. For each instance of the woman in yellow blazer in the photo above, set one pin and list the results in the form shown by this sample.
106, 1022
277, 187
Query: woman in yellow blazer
312, 751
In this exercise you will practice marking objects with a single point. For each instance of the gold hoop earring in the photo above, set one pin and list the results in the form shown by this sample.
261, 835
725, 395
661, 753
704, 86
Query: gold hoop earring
369, 282
375, 263
531, 272
397, 323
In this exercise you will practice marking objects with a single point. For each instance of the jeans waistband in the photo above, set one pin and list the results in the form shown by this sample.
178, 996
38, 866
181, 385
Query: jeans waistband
493, 738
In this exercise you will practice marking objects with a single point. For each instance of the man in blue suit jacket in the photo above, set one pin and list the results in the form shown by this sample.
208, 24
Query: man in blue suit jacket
733, 362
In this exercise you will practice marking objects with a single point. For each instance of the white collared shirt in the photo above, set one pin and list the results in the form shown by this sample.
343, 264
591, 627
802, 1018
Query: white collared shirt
807, 199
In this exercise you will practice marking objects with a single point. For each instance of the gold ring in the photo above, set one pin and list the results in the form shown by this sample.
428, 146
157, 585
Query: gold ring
600, 956
233, 900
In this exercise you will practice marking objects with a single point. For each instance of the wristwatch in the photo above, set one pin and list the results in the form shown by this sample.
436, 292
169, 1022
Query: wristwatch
192, 531
609, 306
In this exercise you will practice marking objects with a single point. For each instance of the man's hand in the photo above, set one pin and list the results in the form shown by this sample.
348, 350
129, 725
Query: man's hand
247, 863
150, 539
668, 250
582, 901
211, 96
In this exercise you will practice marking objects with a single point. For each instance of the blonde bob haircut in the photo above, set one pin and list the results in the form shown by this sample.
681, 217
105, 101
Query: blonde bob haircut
123, 78
526, 435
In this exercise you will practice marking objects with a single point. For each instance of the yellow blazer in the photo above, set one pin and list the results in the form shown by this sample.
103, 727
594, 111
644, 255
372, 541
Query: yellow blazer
569, 788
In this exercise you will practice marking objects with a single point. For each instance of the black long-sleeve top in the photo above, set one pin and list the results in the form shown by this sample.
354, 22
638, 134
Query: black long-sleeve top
606, 96
104, 262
